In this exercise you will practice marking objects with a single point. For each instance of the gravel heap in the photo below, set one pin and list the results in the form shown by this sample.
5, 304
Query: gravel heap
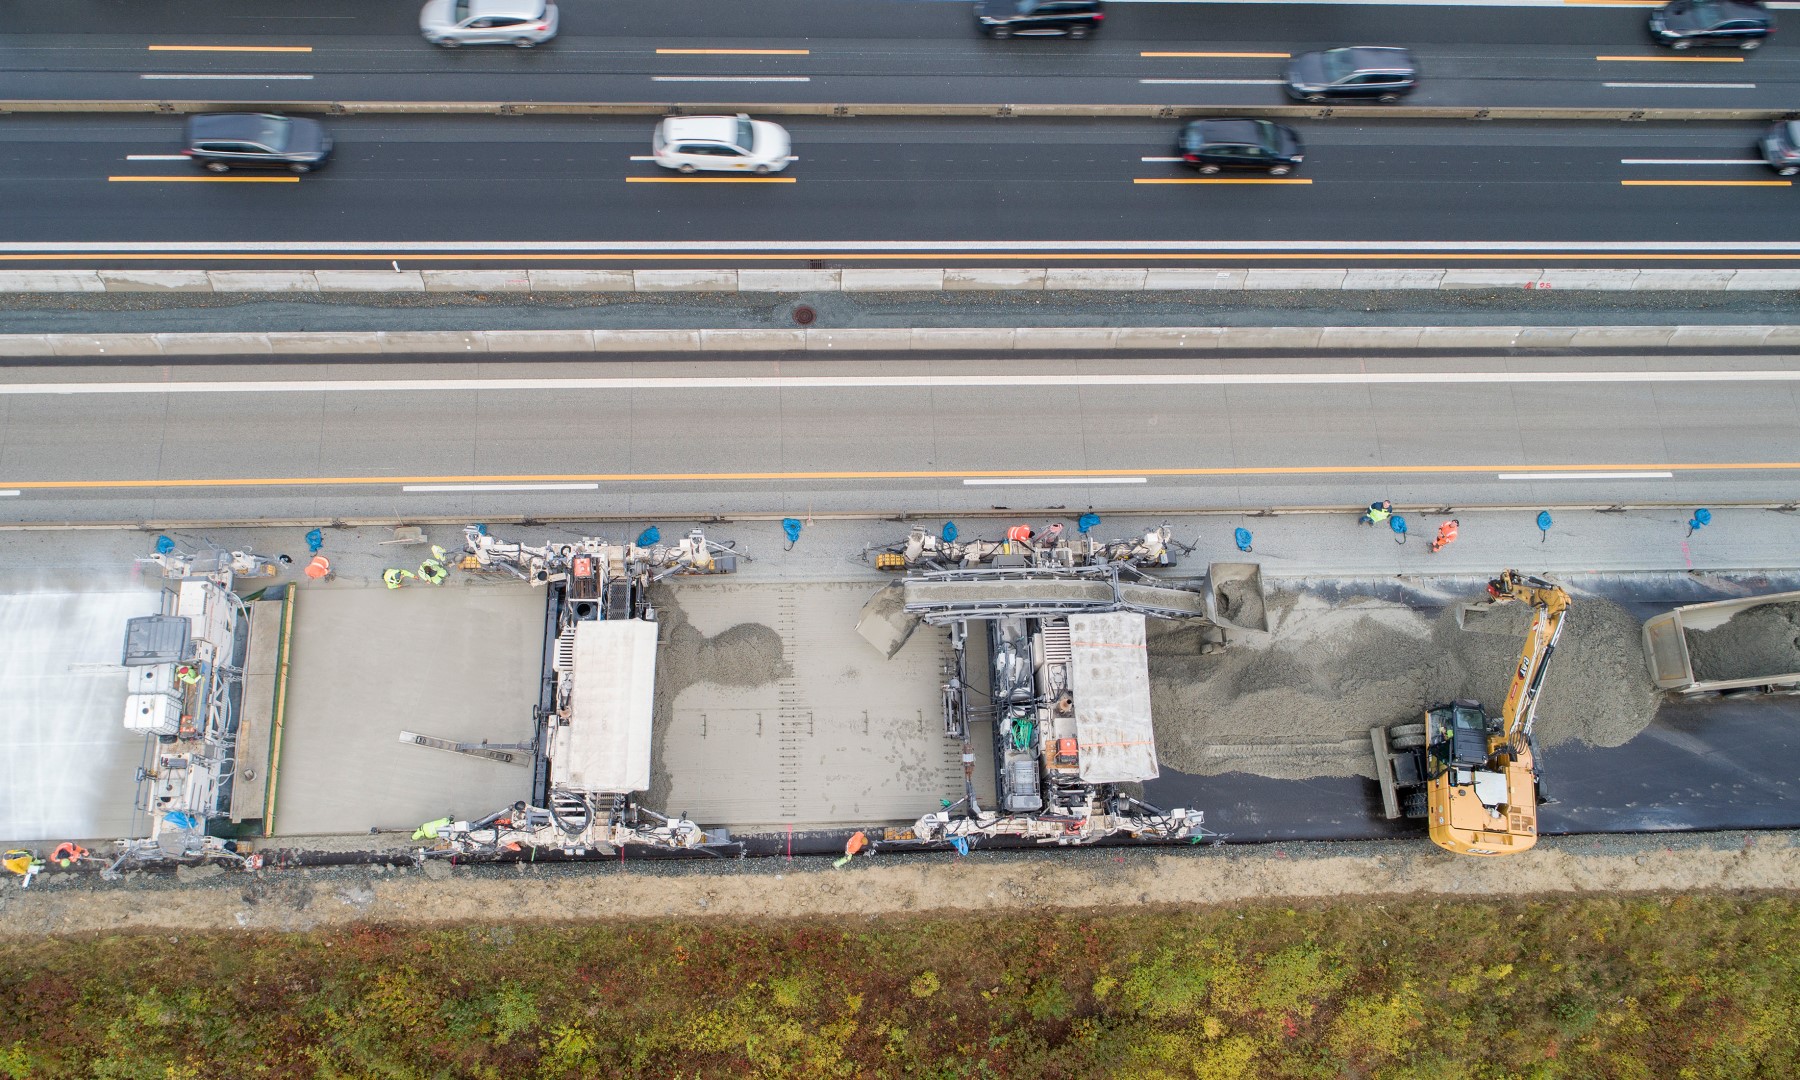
1301, 701
1759, 642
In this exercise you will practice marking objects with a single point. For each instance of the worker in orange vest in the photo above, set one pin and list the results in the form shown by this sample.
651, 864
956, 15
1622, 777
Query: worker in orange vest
319, 569
1446, 535
1019, 534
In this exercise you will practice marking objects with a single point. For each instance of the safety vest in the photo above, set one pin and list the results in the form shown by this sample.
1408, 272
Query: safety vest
1446, 532
1378, 515
433, 571
1020, 533
319, 568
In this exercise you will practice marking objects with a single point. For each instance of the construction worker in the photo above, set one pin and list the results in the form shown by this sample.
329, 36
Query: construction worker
1019, 534
432, 572
319, 569
187, 674
1446, 535
1377, 513
68, 854
394, 577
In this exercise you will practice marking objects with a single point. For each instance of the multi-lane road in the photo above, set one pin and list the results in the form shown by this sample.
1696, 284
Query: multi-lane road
868, 52
571, 192
554, 437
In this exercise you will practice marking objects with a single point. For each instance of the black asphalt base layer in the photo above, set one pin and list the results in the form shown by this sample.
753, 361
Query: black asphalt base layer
102, 313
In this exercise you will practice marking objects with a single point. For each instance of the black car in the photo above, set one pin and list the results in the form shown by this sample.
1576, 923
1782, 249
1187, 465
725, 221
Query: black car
1360, 72
226, 141
1019, 18
1738, 24
1780, 147
1211, 145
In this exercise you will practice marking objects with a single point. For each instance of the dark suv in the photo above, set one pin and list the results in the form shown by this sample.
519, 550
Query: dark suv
1736, 24
1361, 72
226, 141
1780, 147
1211, 145
1020, 18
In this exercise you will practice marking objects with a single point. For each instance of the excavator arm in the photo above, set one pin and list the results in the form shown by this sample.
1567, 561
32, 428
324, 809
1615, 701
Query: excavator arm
1551, 605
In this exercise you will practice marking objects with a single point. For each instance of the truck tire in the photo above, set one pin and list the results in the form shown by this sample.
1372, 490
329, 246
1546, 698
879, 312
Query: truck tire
1414, 805
1406, 736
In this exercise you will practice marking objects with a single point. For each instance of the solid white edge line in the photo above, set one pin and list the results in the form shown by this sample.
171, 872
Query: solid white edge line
1001, 481
1587, 476
12, 493
156, 157
1159, 159
732, 78
426, 489
1210, 82
899, 382
1691, 161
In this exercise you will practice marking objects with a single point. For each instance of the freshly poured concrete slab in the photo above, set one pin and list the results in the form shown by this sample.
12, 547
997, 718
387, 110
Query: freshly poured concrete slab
69, 766
456, 662
841, 737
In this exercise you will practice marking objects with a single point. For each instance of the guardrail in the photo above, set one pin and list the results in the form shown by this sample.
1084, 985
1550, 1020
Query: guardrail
1359, 113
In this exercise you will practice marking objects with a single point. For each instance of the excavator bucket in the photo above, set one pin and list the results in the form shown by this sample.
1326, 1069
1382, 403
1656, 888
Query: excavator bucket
884, 622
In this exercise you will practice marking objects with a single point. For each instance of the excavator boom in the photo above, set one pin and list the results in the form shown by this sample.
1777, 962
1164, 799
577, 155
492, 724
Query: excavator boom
1551, 605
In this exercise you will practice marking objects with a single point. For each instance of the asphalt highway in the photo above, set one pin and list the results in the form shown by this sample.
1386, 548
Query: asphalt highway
457, 440
878, 51
566, 191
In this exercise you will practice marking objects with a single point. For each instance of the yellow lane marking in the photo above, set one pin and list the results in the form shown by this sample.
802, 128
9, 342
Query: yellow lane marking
204, 179
710, 179
1673, 59
734, 52
1219, 55
232, 48
1217, 180
1707, 183
908, 474
1433, 257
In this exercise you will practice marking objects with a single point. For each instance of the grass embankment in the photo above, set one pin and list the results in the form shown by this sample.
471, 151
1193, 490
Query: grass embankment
1657, 987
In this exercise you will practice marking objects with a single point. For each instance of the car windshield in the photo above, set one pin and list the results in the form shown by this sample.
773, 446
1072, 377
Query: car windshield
746, 135
273, 132
1026, 7
1338, 64
1705, 11
460, 12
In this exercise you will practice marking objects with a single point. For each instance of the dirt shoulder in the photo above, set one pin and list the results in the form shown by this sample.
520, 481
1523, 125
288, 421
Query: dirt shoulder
298, 900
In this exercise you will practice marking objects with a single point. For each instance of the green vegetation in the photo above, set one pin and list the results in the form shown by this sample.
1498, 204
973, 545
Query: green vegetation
1658, 987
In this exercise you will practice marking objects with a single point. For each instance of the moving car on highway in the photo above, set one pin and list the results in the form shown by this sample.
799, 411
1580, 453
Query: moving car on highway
1780, 147
721, 144
524, 23
1737, 24
1362, 71
226, 141
1038, 18
1212, 145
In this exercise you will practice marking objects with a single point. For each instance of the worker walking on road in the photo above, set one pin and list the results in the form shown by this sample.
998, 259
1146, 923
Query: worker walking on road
319, 569
1377, 513
393, 577
432, 572
1446, 535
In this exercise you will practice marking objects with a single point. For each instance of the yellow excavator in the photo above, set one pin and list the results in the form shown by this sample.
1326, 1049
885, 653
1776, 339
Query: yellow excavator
1474, 777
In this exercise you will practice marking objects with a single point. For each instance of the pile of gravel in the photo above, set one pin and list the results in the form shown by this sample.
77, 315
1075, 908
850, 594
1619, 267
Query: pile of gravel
1762, 641
1301, 701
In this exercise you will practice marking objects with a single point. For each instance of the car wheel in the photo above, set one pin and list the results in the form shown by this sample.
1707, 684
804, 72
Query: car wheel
525, 42
1209, 169
999, 32
762, 170
300, 167
1280, 170
686, 168
1079, 32
1681, 44
1787, 170
217, 166
1749, 44
1388, 99
1316, 99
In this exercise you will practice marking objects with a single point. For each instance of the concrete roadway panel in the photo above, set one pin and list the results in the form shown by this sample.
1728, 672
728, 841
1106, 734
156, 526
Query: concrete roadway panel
845, 738
457, 662
67, 770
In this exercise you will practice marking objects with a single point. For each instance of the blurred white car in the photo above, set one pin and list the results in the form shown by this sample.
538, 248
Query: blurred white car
525, 23
721, 144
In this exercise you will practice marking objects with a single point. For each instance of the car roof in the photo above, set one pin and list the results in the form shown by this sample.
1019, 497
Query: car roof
229, 125
516, 9
1379, 58
716, 128
1233, 131
1739, 9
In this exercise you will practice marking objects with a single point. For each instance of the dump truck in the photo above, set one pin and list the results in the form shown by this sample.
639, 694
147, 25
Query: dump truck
1472, 776
1745, 646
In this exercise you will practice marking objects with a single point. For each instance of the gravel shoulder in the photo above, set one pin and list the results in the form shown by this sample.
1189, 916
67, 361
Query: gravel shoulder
996, 882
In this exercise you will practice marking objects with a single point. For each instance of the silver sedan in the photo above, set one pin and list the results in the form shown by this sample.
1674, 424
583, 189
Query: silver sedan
524, 23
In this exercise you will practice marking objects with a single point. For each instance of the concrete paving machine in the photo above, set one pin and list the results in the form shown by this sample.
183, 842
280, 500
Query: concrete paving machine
1475, 777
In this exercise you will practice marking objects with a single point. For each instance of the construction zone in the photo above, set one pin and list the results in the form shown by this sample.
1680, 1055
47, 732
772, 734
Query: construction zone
421, 695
